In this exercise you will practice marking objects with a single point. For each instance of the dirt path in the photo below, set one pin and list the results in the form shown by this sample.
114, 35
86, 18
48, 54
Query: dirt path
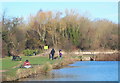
3, 71
96, 52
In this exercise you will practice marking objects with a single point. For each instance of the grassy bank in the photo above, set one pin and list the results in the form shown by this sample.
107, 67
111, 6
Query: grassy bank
41, 65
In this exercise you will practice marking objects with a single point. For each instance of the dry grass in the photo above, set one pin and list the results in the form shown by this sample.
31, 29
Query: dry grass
108, 57
46, 67
8, 78
23, 73
64, 62
37, 69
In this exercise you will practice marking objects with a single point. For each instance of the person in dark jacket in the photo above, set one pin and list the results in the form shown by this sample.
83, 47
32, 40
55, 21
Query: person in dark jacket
52, 52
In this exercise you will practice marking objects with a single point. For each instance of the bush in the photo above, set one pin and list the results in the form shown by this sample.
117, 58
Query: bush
36, 51
29, 52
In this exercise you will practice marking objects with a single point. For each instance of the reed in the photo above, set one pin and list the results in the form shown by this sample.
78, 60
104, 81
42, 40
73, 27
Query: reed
23, 73
37, 69
46, 67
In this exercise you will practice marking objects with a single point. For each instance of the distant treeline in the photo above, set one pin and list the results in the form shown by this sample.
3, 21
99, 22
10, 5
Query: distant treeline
65, 30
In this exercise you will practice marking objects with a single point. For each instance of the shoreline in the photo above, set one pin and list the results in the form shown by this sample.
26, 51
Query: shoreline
43, 69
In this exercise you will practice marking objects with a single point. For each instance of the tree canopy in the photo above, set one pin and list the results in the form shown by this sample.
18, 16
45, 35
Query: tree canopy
66, 30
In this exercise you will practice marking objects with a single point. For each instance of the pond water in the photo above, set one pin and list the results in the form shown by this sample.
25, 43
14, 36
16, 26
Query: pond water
83, 71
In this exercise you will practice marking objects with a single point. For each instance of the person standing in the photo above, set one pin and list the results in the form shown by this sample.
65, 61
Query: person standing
60, 54
52, 52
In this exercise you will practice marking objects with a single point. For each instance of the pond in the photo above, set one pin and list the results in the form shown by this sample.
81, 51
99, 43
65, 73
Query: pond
83, 71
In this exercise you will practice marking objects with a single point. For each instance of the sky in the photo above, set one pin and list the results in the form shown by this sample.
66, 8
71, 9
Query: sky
93, 10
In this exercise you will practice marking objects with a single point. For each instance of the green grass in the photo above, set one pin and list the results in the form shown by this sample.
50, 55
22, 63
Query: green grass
11, 66
0, 64
37, 60
8, 64
11, 72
